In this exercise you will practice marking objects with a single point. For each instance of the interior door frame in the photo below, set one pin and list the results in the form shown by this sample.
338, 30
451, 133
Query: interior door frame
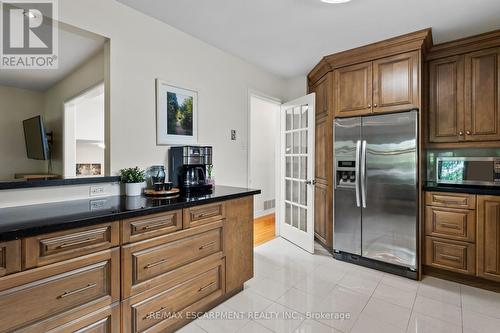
277, 169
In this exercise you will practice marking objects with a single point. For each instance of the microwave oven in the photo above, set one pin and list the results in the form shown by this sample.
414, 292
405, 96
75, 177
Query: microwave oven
468, 170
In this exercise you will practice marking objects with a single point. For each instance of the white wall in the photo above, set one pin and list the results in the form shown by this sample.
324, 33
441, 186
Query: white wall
17, 105
89, 118
263, 135
143, 49
295, 87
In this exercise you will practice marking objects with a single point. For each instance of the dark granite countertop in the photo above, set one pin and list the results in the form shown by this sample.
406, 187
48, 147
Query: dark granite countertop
25, 221
23, 183
476, 189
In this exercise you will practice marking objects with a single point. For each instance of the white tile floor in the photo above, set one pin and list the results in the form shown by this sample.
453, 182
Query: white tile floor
294, 291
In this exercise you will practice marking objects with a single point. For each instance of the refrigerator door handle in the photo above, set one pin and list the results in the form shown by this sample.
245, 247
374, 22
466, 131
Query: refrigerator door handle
363, 173
357, 168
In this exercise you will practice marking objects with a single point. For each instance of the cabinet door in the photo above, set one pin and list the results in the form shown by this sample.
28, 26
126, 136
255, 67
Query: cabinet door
488, 237
482, 90
321, 213
446, 107
323, 90
353, 90
395, 83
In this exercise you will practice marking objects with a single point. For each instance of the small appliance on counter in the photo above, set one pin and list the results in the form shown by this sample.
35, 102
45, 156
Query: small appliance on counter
188, 168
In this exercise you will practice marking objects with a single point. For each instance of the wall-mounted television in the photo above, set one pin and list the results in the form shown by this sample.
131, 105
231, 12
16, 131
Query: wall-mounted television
37, 145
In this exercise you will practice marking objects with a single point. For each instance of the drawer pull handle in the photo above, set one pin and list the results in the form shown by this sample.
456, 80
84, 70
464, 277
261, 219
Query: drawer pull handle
156, 225
206, 287
452, 258
450, 226
149, 315
155, 263
206, 245
449, 201
76, 291
87, 240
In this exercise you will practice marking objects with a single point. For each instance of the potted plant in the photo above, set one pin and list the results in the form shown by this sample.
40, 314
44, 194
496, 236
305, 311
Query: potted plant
134, 180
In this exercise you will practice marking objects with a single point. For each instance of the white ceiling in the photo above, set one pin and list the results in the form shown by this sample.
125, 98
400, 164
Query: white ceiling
75, 47
288, 37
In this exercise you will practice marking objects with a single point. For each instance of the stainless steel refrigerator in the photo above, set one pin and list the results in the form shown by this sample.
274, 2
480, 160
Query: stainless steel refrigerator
376, 191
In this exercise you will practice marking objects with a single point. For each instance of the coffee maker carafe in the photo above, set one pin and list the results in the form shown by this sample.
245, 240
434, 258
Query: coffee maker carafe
187, 168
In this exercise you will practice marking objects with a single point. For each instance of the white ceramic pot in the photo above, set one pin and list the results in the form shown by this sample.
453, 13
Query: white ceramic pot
134, 189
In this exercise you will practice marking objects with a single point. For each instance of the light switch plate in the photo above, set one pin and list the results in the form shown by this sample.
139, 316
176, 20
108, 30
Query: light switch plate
233, 135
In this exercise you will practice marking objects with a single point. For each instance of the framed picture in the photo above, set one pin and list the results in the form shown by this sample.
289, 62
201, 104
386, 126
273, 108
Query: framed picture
88, 169
176, 114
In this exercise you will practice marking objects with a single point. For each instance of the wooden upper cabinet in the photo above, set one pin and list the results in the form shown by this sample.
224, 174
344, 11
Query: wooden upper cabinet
482, 91
488, 237
353, 90
323, 90
446, 108
395, 83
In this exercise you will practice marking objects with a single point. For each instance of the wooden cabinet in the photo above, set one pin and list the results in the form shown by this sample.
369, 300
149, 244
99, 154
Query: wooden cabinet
149, 262
488, 237
323, 224
105, 320
385, 85
451, 200
450, 255
353, 90
49, 248
238, 242
482, 93
396, 83
190, 289
199, 215
464, 97
87, 283
149, 226
450, 232
10, 257
446, 95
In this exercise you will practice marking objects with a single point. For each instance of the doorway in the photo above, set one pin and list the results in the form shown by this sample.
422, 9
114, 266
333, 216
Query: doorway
263, 163
84, 148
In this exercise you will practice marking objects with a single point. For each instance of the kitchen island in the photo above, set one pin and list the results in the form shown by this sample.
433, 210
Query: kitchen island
123, 264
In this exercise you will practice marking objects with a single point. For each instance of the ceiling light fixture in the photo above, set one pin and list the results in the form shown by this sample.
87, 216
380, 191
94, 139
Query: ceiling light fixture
335, 1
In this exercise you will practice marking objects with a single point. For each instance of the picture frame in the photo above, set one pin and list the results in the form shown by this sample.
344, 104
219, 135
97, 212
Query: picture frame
176, 114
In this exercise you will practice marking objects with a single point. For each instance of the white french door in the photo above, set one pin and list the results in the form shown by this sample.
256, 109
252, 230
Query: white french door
297, 172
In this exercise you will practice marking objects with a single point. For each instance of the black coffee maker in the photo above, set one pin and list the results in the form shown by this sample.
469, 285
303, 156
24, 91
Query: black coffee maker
188, 168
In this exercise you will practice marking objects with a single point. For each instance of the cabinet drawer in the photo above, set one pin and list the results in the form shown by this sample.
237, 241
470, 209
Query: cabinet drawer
451, 255
150, 226
451, 223
10, 257
198, 215
152, 311
58, 246
74, 285
149, 259
104, 320
451, 200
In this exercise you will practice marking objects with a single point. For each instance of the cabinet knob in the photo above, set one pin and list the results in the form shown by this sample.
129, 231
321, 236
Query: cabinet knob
375, 105
369, 106
461, 133
468, 132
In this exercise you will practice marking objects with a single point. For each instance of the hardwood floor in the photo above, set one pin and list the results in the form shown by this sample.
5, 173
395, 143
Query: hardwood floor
264, 229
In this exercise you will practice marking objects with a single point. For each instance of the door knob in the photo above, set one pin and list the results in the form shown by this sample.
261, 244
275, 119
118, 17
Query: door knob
468, 132
311, 182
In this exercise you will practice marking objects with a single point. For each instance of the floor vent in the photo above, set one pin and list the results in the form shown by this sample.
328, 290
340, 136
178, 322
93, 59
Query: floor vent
268, 204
